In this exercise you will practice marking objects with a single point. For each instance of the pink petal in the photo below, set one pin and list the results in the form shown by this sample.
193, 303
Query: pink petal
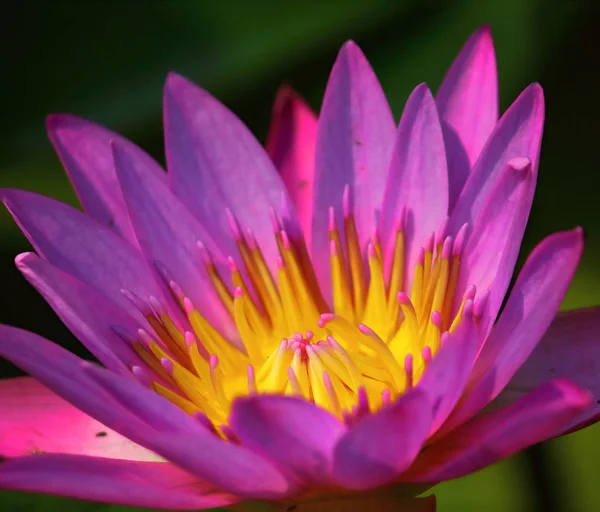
291, 145
467, 102
355, 138
382, 445
168, 234
139, 484
418, 177
531, 306
272, 426
87, 314
499, 232
215, 163
84, 150
517, 134
570, 349
81, 246
536, 417
33, 419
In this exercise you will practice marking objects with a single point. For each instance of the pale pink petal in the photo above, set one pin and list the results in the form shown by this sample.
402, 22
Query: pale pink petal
139, 484
33, 419
382, 445
418, 178
291, 145
487, 439
272, 426
84, 150
355, 138
531, 306
570, 349
518, 134
467, 101
215, 164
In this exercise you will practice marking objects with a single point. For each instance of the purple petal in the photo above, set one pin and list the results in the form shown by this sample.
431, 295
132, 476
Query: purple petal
355, 138
536, 417
271, 426
531, 306
382, 445
84, 150
33, 419
139, 484
418, 177
493, 247
291, 145
215, 163
570, 349
517, 134
467, 101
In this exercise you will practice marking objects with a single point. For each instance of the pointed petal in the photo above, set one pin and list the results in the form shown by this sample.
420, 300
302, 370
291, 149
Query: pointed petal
139, 484
84, 150
215, 163
382, 445
531, 306
77, 244
418, 177
87, 314
487, 439
355, 138
269, 425
570, 349
499, 232
33, 419
291, 145
517, 134
467, 101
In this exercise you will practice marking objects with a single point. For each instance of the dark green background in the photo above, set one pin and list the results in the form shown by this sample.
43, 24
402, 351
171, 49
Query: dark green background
107, 60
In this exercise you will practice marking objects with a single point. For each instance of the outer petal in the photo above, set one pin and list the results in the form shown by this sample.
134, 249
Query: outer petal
531, 306
354, 145
291, 145
418, 177
33, 419
370, 503
271, 426
215, 163
382, 445
534, 418
84, 150
140, 484
517, 134
570, 349
467, 101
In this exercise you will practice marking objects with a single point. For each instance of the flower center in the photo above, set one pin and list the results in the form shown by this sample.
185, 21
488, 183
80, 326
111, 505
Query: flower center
371, 347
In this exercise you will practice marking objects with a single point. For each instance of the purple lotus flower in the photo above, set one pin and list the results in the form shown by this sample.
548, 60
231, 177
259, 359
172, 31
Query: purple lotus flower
299, 336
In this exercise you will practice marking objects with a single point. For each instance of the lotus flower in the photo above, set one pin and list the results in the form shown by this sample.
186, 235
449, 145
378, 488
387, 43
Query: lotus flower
329, 333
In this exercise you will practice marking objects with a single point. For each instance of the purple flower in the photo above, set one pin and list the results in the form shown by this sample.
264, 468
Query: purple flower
303, 335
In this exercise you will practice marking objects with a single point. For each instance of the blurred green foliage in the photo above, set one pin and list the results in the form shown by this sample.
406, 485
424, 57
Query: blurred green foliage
107, 60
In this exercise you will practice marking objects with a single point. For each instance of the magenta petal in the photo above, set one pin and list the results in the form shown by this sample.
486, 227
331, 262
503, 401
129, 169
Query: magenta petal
355, 138
418, 178
84, 150
531, 306
570, 349
139, 484
33, 419
269, 425
291, 145
81, 246
467, 101
517, 134
493, 246
382, 445
215, 164
536, 417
